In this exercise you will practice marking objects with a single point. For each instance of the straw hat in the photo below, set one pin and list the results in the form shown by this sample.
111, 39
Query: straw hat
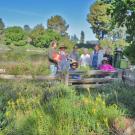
62, 47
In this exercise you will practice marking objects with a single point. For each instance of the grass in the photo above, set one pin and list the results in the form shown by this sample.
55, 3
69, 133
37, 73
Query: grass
26, 68
35, 108
21, 55
20, 62
118, 93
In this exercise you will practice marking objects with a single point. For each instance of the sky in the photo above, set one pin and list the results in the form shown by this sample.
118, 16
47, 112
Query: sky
33, 12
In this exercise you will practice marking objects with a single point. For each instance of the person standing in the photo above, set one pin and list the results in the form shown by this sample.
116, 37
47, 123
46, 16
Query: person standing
53, 58
97, 57
63, 64
117, 57
85, 58
75, 54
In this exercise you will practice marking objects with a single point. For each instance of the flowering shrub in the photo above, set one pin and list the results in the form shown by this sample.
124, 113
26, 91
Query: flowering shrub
33, 108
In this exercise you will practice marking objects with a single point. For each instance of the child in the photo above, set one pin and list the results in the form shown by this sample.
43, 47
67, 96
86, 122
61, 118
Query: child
106, 67
73, 67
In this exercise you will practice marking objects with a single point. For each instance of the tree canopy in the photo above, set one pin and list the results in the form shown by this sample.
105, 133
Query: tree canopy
58, 24
123, 13
99, 19
15, 36
42, 38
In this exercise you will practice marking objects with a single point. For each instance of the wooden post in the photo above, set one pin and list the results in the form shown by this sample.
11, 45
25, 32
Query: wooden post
66, 78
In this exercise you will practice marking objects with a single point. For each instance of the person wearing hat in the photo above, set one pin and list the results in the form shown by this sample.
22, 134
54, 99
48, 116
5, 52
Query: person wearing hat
63, 64
106, 66
73, 65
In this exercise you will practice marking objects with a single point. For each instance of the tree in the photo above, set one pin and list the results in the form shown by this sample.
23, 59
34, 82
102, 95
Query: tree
58, 24
99, 19
15, 36
82, 37
74, 38
39, 26
2, 26
27, 28
123, 14
42, 38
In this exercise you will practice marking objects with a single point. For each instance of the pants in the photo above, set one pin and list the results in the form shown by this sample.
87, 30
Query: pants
53, 69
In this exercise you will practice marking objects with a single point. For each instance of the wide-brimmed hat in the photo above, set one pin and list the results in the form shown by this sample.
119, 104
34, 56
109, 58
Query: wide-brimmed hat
62, 46
74, 64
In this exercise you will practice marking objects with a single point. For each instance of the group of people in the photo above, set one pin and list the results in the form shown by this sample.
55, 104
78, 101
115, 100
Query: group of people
61, 61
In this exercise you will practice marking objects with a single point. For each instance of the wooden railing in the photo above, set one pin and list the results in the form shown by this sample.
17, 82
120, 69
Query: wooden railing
90, 79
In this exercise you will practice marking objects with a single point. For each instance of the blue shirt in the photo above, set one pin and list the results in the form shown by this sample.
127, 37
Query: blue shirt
95, 59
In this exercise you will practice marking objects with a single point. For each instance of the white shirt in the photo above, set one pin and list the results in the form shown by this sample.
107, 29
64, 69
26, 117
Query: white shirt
85, 60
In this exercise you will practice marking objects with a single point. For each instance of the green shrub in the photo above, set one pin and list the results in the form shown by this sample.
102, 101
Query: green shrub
15, 36
120, 94
34, 108
129, 52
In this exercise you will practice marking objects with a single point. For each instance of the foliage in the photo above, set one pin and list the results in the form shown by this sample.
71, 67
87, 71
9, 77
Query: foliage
19, 54
39, 26
15, 36
9, 91
26, 68
107, 43
31, 109
99, 19
123, 13
42, 38
67, 42
120, 94
85, 68
2, 26
20, 62
58, 24
82, 37
130, 53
